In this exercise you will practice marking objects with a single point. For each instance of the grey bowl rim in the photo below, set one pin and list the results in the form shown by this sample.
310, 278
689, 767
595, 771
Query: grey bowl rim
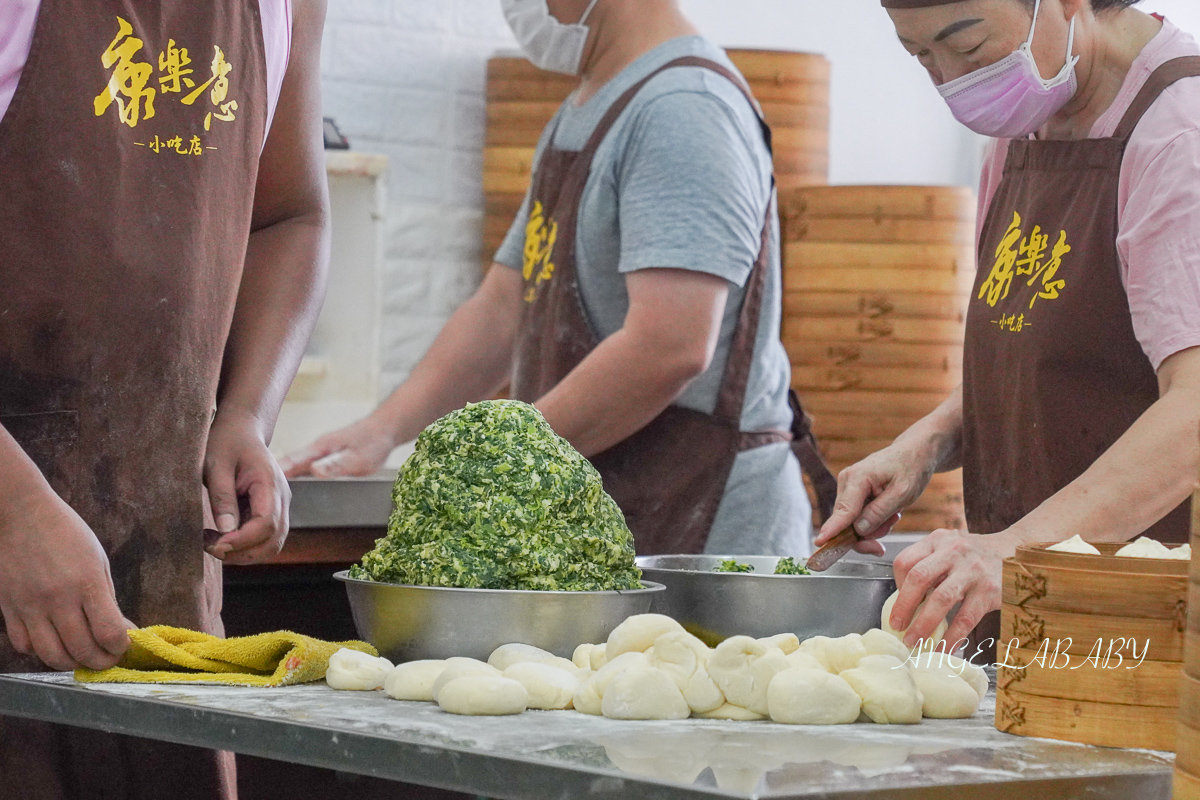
648, 587
726, 575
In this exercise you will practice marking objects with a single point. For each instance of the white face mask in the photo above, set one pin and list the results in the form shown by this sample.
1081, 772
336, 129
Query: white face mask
546, 42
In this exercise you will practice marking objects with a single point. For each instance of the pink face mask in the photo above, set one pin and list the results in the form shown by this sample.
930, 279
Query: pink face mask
1010, 99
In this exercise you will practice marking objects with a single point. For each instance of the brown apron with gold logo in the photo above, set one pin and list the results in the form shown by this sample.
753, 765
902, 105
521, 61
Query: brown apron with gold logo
669, 477
128, 160
1053, 374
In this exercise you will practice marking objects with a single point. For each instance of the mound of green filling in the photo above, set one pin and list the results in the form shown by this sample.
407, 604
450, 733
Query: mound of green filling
788, 566
732, 565
494, 499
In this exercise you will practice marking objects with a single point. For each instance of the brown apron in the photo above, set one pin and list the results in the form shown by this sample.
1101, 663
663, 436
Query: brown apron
128, 159
1053, 374
670, 476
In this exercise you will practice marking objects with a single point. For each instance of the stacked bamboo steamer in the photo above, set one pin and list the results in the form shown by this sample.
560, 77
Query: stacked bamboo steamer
793, 89
876, 283
1068, 670
1187, 760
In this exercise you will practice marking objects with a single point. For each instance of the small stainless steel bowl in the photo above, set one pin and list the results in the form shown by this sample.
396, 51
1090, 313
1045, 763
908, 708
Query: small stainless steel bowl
408, 623
848, 598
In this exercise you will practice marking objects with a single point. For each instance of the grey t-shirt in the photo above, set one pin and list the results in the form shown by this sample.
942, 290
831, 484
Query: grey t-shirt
683, 181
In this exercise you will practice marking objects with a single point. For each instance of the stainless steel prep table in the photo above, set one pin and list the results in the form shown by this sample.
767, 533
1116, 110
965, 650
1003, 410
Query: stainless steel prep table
559, 755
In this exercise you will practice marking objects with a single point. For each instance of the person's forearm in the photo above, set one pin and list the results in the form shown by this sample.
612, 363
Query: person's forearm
1145, 475
282, 288
616, 391
938, 435
21, 479
470, 360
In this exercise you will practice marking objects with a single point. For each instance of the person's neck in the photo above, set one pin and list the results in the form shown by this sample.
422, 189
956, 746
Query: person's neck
1114, 43
622, 33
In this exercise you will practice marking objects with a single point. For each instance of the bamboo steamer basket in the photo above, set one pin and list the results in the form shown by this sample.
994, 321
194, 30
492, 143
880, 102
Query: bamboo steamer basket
877, 280
1079, 613
792, 88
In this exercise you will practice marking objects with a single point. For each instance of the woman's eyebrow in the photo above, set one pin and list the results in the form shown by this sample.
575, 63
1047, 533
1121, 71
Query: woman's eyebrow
956, 27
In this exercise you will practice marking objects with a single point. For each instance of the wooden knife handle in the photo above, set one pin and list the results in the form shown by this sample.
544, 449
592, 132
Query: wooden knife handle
832, 551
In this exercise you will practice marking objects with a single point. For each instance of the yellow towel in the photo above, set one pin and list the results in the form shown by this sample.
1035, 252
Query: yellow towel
162, 654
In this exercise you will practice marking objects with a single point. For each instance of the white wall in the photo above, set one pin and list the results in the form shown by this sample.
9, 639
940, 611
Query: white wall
406, 78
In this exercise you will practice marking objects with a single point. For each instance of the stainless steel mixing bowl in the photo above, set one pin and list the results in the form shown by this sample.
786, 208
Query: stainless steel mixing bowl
407, 623
848, 598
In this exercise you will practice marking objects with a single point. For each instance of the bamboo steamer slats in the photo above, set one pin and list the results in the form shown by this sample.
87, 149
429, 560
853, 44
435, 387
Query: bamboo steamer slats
792, 88
876, 284
1152, 683
1111, 635
1103, 724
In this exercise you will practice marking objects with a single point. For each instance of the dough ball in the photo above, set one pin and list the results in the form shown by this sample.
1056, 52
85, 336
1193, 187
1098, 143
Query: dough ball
637, 634
1182, 553
644, 693
732, 712
460, 668
599, 656
801, 696
889, 693
878, 642
787, 642
483, 696
684, 658
414, 680
946, 696
953, 665
837, 654
589, 696
743, 668
887, 613
1144, 547
1075, 544
582, 657
804, 660
355, 671
506, 655
549, 688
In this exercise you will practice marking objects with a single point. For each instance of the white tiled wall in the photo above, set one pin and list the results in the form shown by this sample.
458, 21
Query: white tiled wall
406, 78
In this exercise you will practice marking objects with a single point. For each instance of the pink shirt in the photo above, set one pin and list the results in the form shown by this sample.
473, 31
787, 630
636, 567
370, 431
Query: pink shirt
17, 19
1159, 201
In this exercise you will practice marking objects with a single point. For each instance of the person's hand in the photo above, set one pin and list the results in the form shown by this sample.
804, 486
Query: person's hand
873, 492
356, 450
943, 569
247, 492
56, 591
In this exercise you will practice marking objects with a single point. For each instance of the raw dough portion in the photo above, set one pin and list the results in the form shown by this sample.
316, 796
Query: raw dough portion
787, 642
483, 696
953, 665
888, 691
800, 696
805, 661
886, 626
879, 642
356, 672
599, 656
684, 658
582, 657
1144, 547
414, 680
637, 634
730, 711
1182, 553
460, 668
1075, 544
644, 693
743, 668
549, 688
946, 696
589, 696
837, 654
506, 655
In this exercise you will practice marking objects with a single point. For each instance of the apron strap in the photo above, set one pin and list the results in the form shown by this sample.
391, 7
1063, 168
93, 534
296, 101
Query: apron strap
1159, 81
